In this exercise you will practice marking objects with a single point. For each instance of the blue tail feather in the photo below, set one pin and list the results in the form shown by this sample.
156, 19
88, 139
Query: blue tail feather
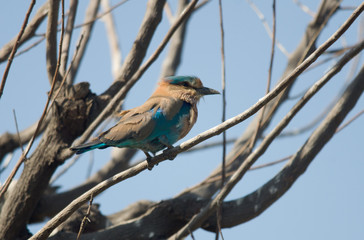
89, 146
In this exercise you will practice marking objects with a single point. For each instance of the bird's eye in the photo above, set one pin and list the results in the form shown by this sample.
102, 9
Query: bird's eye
185, 84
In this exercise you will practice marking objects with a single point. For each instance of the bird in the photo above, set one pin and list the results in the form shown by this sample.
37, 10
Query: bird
166, 117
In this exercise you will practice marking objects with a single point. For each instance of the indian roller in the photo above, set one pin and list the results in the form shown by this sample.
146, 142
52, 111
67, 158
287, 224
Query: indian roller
167, 116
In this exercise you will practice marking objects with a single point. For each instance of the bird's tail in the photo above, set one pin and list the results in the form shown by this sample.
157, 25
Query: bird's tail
89, 146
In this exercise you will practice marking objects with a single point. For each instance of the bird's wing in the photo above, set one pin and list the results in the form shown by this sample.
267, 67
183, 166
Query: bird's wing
135, 124
138, 123
137, 127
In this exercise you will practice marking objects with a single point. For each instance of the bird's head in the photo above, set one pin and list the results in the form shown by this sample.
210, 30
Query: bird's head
187, 88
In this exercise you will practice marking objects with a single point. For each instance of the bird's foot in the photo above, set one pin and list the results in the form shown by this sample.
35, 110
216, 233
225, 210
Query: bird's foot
166, 152
170, 155
149, 162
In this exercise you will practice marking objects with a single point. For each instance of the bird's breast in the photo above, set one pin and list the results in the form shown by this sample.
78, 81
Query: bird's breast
172, 128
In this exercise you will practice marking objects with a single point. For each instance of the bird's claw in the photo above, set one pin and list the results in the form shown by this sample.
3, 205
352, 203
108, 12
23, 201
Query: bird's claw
169, 155
149, 161
149, 164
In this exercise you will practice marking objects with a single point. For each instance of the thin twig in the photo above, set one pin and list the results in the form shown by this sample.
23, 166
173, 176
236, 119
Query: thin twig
15, 47
266, 27
68, 71
229, 174
223, 86
223, 118
193, 237
344, 125
69, 164
210, 145
269, 164
100, 15
115, 50
261, 113
167, 9
90, 164
355, 64
34, 44
17, 131
304, 8
45, 110
201, 4
29, 32
85, 218
173, 57
91, 12
314, 37
272, 48
68, 34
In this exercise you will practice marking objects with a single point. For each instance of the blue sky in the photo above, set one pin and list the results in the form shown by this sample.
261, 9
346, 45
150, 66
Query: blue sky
326, 202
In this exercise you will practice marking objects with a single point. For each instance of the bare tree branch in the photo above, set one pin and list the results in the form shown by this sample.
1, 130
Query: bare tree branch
304, 8
101, 14
29, 32
86, 34
15, 47
173, 58
115, 50
51, 40
50, 205
266, 27
68, 35
8, 141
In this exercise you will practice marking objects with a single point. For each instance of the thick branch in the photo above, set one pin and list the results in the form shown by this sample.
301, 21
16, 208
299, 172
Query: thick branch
51, 40
50, 205
69, 115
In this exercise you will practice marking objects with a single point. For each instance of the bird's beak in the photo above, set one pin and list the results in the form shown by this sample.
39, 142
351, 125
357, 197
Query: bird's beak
207, 91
